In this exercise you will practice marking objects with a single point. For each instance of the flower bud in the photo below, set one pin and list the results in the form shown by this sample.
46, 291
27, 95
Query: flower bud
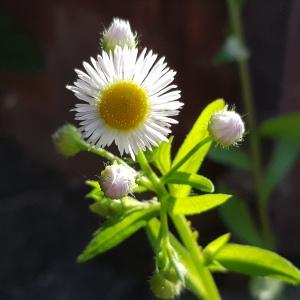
117, 181
226, 127
67, 140
165, 286
118, 34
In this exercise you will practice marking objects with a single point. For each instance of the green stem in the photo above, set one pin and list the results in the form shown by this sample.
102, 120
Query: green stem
185, 158
162, 196
108, 155
192, 246
247, 96
159, 188
105, 154
181, 224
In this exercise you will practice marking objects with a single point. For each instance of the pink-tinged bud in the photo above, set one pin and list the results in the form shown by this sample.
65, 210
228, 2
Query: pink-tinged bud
226, 127
117, 181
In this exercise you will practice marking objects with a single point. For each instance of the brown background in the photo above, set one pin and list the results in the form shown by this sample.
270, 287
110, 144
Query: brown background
38, 185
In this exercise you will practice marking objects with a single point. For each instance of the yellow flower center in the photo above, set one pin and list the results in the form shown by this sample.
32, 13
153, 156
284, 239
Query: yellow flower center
123, 105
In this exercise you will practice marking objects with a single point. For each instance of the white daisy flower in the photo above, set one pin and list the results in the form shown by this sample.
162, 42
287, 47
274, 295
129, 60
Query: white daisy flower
120, 34
129, 100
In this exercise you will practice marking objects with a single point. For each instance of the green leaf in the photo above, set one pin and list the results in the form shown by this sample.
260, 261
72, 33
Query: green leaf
162, 156
116, 231
255, 261
237, 218
197, 204
282, 161
232, 157
284, 127
197, 134
95, 193
198, 182
214, 247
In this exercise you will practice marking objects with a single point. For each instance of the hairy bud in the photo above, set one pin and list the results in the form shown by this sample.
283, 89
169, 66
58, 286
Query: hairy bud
118, 34
117, 181
226, 127
165, 285
67, 140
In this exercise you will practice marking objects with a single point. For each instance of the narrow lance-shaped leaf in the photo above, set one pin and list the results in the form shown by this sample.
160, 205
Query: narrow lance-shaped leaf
232, 157
162, 156
214, 247
237, 218
283, 159
196, 135
116, 231
255, 261
197, 204
198, 182
285, 126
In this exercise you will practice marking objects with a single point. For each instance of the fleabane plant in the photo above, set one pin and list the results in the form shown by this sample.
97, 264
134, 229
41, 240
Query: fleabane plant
129, 99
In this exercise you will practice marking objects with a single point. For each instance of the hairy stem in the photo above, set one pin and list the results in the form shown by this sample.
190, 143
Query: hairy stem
189, 240
183, 228
162, 196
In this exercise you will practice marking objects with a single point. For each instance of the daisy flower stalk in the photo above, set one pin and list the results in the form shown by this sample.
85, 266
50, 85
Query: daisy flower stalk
129, 99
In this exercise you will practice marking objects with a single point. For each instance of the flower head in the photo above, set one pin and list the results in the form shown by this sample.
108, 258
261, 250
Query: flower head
67, 140
118, 34
226, 127
129, 100
117, 181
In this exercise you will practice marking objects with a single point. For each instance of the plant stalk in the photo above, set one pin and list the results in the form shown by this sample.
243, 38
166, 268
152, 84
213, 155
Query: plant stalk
190, 242
181, 224
248, 101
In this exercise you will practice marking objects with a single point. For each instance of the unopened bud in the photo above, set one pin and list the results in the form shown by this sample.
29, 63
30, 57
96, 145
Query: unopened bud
118, 34
165, 286
117, 181
67, 140
226, 127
